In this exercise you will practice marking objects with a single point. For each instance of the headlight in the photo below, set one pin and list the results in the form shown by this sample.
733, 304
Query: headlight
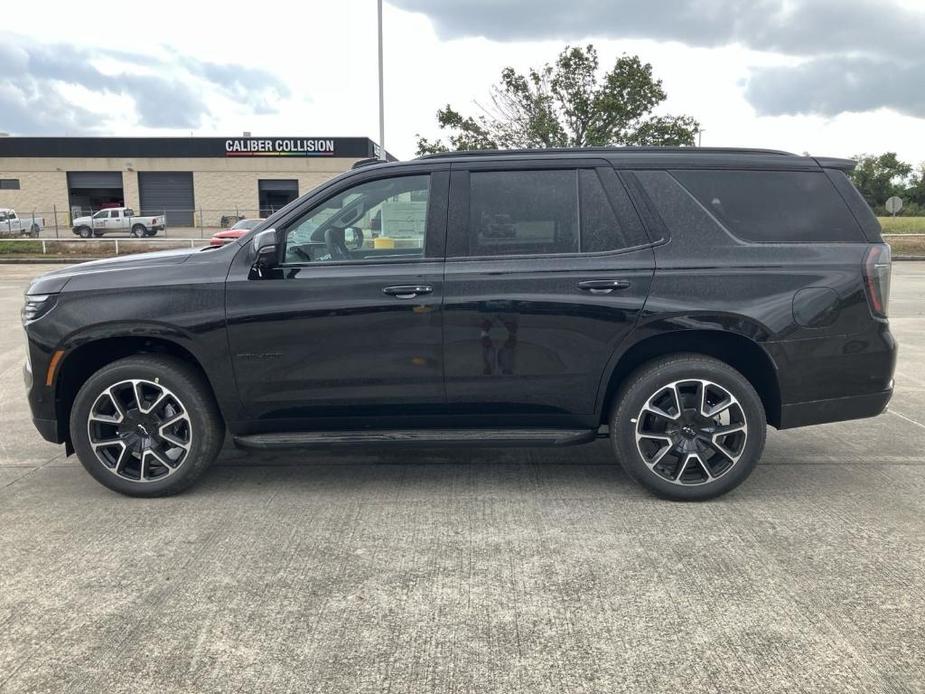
37, 305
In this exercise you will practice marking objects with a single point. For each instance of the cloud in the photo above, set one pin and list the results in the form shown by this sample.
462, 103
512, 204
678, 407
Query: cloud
868, 49
37, 80
829, 86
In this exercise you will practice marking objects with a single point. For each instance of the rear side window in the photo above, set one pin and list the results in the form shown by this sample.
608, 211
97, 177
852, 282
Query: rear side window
549, 211
523, 212
774, 206
600, 228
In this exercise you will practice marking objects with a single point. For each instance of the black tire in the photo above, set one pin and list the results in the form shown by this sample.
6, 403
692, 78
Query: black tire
139, 230
705, 470
150, 232
84, 232
185, 386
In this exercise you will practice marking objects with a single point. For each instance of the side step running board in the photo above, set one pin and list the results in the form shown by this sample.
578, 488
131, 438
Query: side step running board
422, 438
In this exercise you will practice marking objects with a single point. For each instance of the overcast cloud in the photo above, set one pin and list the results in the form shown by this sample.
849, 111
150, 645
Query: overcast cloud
856, 55
37, 83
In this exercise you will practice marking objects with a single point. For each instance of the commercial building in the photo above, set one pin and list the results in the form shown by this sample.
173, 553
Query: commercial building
195, 181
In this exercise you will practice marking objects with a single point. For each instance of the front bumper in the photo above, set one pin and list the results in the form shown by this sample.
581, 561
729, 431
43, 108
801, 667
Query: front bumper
48, 429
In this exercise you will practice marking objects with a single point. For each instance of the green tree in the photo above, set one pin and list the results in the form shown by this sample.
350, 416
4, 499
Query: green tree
567, 104
879, 177
915, 193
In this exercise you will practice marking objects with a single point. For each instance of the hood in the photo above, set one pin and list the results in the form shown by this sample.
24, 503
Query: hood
80, 220
54, 281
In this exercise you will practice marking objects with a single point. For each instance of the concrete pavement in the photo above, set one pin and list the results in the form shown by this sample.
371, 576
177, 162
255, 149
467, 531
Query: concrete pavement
472, 570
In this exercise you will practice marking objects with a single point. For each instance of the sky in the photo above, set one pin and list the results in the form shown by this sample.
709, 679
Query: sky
828, 77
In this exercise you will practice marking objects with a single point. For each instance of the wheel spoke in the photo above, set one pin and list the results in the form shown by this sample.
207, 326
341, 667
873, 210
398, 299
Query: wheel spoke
661, 452
702, 464
139, 396
106, 443
181, 417
728, 429
724, 404
153, 405
162, 459
659, 412
122, 459
175, 440
105, 418
681, 470
116, 405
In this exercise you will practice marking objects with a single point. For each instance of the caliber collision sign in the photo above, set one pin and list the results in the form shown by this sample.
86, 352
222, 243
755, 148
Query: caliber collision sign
279, 147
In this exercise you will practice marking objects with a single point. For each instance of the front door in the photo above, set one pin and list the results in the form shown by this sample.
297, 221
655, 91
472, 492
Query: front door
349, 326
548, 268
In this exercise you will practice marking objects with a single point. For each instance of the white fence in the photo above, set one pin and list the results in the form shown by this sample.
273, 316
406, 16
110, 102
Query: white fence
130, 245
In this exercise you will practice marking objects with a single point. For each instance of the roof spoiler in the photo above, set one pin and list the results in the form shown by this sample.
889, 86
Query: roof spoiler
846, 165
369, 161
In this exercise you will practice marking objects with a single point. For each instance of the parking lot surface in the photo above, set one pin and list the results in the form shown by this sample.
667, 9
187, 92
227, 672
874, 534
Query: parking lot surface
471, 570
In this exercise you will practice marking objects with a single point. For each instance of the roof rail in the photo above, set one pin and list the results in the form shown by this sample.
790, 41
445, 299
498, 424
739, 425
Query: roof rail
606, 150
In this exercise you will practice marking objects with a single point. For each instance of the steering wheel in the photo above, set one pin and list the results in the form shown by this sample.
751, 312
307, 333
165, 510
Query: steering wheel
334, 240
297, 250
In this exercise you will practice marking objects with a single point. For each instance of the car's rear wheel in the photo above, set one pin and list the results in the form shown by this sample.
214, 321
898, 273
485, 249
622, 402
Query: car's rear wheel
146, 426
688, 427
139, 231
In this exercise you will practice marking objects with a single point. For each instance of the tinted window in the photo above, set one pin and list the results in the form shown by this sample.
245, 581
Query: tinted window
774, 206
9, 184
377, 220
523, 212
600, 228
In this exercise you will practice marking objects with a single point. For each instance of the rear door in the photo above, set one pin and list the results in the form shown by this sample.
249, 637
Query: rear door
548, 268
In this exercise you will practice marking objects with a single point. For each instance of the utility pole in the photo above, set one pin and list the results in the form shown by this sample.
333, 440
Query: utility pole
381, 93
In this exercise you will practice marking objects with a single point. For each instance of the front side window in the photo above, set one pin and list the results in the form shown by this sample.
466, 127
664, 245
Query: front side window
523, 212
385, 219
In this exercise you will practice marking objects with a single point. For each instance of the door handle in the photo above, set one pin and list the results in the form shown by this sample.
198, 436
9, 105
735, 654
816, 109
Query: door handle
603, 286
407, 291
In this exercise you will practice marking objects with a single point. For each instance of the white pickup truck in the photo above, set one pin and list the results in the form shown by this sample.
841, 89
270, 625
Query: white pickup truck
118, 219
12, 224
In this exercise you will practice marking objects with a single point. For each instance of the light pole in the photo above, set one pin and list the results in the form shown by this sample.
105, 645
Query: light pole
381, 93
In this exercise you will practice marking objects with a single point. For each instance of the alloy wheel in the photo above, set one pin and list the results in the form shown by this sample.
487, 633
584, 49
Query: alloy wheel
691, 432
139, 430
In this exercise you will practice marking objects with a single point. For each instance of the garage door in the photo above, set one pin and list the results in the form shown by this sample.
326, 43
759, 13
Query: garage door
169, 193
94, 179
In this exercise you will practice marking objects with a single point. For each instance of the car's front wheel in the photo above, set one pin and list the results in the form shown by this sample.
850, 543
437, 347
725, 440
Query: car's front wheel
146, 425
688, 427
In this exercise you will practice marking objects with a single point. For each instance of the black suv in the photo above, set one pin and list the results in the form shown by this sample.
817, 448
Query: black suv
675, 300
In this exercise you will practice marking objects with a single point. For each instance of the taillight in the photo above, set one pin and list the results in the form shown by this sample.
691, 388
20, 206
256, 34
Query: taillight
877, 278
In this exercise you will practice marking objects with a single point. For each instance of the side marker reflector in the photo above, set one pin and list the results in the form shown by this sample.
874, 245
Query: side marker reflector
53, 366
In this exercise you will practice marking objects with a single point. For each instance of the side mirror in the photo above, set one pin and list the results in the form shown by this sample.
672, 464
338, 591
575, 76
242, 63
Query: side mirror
265, 248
